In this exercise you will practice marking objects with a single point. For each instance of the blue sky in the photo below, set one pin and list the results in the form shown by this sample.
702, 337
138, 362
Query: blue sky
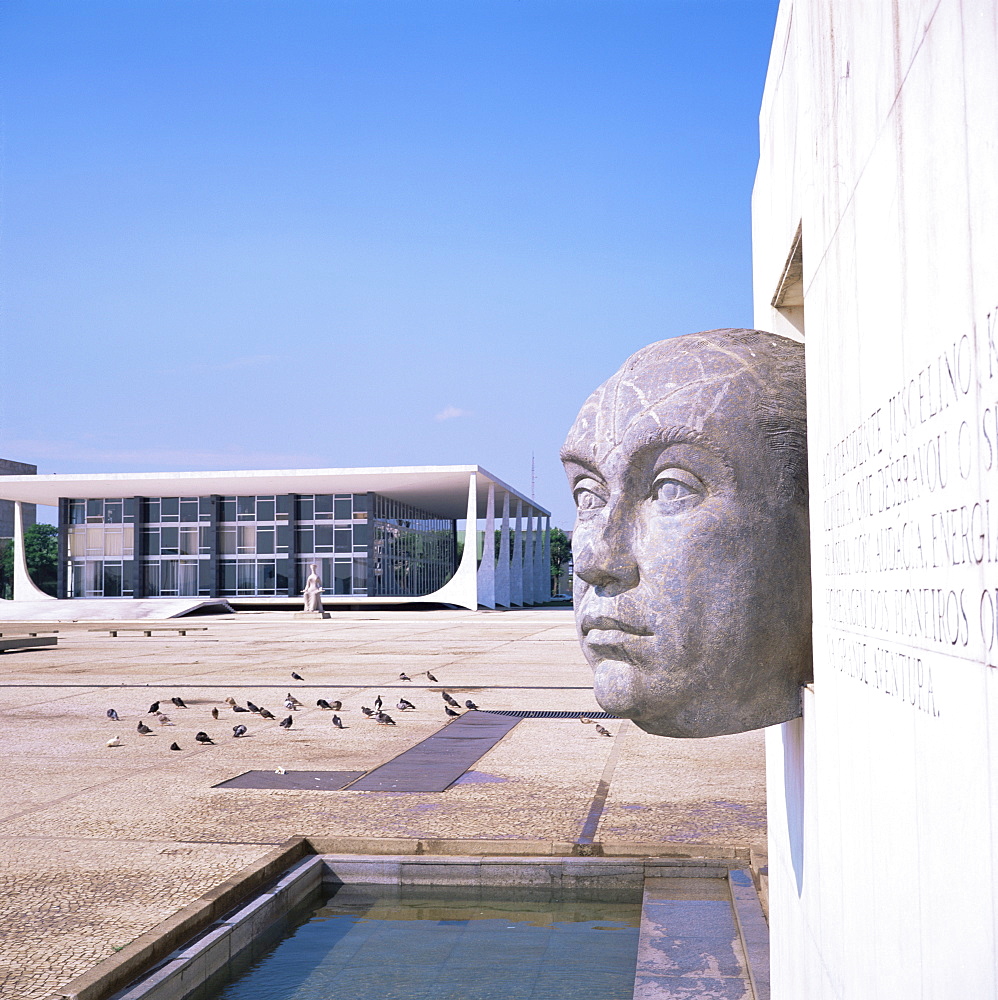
245, 234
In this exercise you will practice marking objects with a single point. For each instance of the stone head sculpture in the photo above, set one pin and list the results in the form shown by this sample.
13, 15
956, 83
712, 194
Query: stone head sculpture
691, 550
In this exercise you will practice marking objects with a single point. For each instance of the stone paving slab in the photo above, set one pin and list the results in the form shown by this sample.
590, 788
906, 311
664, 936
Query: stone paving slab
98, 844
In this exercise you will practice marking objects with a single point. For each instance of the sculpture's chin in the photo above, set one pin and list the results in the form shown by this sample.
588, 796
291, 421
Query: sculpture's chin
617, 687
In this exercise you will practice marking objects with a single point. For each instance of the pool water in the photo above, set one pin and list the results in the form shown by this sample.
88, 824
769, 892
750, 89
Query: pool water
442, 943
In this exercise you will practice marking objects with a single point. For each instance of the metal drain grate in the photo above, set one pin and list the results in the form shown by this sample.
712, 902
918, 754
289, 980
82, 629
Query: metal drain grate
519, 714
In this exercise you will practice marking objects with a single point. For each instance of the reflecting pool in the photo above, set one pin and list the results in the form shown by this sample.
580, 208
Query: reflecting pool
442, 943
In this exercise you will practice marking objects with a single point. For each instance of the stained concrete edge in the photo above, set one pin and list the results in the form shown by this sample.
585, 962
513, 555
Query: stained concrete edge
545, 848
145, 951
142, 954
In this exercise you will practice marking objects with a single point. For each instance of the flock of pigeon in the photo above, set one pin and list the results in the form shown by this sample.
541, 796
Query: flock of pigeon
291, 704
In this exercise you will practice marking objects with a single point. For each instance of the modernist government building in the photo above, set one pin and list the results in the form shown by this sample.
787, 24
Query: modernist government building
377, 536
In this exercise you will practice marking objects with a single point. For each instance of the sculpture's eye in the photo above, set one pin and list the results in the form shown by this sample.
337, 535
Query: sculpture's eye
677, 489
588, 497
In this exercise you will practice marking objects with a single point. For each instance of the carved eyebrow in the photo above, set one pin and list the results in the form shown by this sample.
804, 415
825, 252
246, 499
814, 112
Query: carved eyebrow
667, 437
570, 458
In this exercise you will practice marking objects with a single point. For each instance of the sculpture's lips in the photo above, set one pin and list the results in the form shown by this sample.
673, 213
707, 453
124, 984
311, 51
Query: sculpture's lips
592, 623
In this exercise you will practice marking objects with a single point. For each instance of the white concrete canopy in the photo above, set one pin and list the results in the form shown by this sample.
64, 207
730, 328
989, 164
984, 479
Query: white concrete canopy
439, 489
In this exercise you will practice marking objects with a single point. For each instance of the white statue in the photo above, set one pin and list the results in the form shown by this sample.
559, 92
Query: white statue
313, 590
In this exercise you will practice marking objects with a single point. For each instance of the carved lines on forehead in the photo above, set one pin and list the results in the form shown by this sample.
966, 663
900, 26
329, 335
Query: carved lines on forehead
698, 411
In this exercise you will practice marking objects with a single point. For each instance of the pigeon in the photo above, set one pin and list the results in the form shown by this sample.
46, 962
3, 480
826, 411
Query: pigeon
404, 705
238, 731
291, 697
383, 719
450, 711
264, 714
296, 677
337, 722
230, 700
367, 711
404, 677
430, 677
203, 737
239, 708
290, 705
115, 741
378, 703
214, 713
324, 705
112, 714
153, 708
602, 731
251, 706
142, 729
179, 702
336, 705
450, 701
280, 770
585, 719
286, 723
175, 746
164, 720
470, 704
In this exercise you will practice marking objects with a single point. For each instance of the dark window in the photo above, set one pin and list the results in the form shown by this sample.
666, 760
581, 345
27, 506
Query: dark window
343, 511
112, 579
189, 509
227, 509
265, 541
169, 541
95, 508
246, 508
324, 538
265, 510
283, 537
150, 541
169, 507
323, 507
361, 535
305, 539
344, 540
306, 509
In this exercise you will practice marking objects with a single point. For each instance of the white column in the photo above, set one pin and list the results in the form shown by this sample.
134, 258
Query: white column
546, 558
487, 567
24, 586
529, 562
517, 566
502, 569
462, 588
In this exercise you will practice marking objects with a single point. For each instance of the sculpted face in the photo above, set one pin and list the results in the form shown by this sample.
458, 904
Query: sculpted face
692, 569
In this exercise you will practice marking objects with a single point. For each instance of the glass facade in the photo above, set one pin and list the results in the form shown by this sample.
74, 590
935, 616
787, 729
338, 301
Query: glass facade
412, 551
252, 546
99, 546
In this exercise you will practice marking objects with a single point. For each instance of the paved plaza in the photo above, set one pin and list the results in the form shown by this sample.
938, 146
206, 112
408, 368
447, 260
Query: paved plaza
99, 844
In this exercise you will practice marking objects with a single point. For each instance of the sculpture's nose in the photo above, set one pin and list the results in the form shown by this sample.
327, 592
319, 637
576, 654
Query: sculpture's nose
602, 553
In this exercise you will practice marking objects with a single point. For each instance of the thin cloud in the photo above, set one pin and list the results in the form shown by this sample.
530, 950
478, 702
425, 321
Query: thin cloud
67, 456
451, 413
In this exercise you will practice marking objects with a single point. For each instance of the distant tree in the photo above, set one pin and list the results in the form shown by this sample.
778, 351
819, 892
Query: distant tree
41, 550
561, 553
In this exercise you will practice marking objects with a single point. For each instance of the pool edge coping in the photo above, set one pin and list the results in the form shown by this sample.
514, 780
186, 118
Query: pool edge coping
141, 956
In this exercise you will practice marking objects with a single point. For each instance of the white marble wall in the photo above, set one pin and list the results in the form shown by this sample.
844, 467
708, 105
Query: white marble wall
879, 136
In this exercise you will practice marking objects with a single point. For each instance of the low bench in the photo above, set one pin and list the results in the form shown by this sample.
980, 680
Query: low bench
30, 641
182, 629
40, 631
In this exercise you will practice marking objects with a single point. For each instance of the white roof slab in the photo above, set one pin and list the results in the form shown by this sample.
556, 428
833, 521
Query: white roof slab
439, 489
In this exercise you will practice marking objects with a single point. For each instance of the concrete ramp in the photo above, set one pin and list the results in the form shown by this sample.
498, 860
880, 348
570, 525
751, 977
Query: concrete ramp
107, 609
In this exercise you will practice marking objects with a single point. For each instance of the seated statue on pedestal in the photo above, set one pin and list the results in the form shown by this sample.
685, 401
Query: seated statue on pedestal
691, 548
313, 590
